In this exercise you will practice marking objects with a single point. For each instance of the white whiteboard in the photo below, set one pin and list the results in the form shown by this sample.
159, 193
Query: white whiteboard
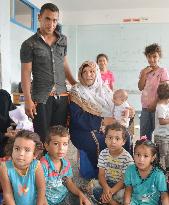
123, 43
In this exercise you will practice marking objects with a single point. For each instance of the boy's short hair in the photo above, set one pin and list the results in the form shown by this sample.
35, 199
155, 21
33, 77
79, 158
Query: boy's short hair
101, 55
163, 91
49, 6
117, 127
58, 130
152, 49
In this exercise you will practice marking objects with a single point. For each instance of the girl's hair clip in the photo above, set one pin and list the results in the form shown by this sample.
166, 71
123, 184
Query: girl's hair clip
143, 138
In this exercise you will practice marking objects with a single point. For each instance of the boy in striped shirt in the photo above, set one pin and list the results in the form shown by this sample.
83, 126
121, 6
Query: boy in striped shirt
112, 163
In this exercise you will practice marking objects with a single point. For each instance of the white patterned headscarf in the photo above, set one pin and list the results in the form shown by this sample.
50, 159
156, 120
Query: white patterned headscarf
95, 99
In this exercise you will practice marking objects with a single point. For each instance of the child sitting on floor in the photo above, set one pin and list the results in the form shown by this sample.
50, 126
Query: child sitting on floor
112, 163
22, 177
60, 188
145, 181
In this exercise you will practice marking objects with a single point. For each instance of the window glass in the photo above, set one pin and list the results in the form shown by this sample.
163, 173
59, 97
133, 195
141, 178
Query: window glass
23, 13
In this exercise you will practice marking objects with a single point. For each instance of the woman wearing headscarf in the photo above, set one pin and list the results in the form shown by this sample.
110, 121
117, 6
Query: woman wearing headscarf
90, 105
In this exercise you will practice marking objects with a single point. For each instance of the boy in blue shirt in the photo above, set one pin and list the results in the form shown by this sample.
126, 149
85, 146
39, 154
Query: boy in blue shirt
60, 188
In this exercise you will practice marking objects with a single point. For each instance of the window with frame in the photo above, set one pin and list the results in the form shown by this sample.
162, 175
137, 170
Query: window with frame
24, 13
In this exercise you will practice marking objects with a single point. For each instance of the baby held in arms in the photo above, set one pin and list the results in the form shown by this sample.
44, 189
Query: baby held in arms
121, 107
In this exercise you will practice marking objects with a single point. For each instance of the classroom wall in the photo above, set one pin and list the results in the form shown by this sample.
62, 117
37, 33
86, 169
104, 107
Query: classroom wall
116, 16
13, 35
95, 32
18, 35
124, 45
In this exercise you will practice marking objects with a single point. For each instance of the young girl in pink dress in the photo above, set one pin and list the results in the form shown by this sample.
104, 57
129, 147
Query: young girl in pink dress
107, 76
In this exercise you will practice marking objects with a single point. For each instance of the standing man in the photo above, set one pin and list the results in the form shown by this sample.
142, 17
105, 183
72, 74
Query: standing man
44, 55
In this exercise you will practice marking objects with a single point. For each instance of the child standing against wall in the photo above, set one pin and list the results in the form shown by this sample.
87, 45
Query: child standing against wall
161, 132
60, 188
22, 177
150, 78
145, 181
107, 76
112, 163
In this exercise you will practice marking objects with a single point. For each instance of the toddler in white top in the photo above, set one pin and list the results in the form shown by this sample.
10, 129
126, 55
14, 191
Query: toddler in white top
120, 109
161, 132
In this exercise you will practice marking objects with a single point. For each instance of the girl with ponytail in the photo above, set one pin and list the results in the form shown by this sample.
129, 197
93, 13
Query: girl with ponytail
145, 180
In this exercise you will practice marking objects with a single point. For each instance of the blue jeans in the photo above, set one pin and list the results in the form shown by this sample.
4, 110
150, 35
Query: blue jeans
1, 197
128, 144
147, 123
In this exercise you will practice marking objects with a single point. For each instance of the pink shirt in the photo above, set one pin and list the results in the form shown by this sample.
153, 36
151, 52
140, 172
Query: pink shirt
108, 78
154, 78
